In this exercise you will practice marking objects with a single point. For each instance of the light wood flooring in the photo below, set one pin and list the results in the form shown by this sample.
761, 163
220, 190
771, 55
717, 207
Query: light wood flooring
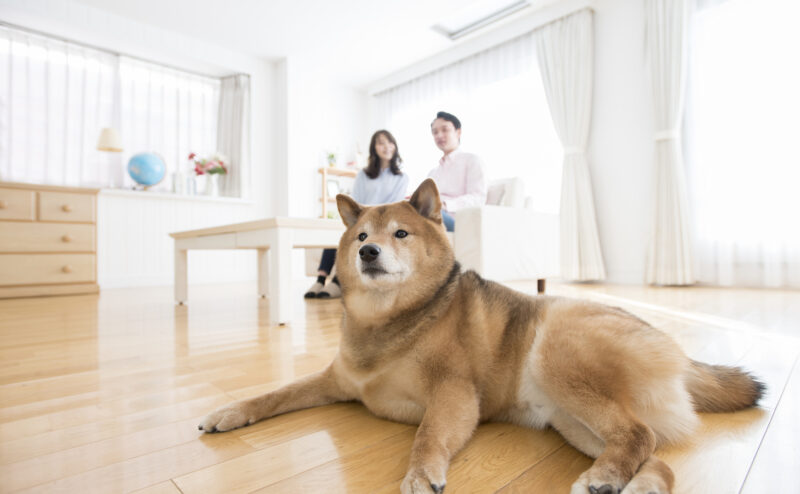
103, 393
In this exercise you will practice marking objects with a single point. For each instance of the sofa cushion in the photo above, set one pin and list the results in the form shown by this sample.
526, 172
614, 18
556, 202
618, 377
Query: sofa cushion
495, 193
508, 192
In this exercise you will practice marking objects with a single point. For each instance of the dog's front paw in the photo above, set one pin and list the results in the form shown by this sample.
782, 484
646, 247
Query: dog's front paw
419, 481
231, 416
591, 483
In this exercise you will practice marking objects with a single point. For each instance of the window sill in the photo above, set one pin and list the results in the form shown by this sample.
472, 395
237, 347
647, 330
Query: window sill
172, 197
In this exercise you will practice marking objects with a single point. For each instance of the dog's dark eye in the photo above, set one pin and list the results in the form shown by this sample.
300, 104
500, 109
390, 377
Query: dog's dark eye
401, 234
362, 236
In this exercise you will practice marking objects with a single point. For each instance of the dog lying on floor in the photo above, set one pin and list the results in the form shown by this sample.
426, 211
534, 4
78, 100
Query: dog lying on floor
425, 343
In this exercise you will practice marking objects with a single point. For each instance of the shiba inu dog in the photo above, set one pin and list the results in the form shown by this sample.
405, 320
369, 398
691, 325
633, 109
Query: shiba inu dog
425, 343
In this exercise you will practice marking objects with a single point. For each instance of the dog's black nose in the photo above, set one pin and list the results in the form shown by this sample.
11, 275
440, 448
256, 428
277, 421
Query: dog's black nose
369, 252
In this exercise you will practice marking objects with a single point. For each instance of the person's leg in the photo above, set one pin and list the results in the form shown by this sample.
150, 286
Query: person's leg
326, 263
449, 221
332, 289
325, 267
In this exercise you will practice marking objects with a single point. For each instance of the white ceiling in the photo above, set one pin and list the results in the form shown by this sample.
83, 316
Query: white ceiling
353, 42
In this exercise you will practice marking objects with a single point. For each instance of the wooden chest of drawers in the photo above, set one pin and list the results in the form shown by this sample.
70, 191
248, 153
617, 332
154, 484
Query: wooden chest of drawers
48, 240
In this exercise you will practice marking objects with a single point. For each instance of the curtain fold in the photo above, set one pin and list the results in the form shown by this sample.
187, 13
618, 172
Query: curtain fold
233, 131
564, 51
669, 257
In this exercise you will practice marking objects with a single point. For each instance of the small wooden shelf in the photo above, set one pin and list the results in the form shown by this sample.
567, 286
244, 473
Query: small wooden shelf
337, 172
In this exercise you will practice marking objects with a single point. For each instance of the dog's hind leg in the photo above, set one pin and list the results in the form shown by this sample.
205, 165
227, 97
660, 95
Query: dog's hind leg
653, 477
577, 434
628, 444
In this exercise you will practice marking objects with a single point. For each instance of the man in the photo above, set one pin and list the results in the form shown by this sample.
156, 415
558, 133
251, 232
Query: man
459, 175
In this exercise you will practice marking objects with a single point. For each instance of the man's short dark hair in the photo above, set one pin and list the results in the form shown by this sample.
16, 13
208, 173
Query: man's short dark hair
450, 118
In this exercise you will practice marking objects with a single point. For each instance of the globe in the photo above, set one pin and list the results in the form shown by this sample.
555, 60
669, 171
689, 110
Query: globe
147, 168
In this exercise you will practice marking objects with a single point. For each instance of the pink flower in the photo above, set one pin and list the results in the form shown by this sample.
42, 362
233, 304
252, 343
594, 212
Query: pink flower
191, 156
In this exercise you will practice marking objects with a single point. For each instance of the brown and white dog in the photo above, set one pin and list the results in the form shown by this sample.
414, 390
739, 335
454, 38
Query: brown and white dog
425, 343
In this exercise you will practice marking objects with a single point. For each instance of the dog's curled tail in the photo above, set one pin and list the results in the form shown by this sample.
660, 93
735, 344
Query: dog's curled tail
718, 388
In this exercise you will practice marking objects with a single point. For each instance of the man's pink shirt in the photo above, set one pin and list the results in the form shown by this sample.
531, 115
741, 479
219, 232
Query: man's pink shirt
460, 180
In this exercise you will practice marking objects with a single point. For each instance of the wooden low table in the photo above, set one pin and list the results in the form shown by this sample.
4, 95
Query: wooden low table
274, 239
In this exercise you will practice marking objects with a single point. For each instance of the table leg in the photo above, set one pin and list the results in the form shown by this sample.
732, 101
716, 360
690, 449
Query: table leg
181, 275
263, 272
280, 280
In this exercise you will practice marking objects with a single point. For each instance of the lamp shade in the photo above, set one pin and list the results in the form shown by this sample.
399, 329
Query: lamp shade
109, 140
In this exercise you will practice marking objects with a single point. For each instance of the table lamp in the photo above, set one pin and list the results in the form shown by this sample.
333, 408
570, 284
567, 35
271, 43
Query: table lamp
110, 141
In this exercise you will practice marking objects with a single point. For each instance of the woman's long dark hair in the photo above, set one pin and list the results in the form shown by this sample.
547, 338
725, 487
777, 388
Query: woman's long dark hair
373, 168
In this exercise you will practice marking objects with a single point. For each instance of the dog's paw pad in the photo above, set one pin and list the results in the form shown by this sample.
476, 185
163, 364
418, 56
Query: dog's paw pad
603, 489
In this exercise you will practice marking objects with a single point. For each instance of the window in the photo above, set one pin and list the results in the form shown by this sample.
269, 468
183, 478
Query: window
499, 97
167, 111
741, 122
56, 96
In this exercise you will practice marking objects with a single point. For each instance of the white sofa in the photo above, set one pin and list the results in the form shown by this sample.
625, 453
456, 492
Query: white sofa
507, 240
504, 240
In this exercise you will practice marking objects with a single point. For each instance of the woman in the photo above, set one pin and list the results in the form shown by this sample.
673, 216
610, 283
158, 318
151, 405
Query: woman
380, 182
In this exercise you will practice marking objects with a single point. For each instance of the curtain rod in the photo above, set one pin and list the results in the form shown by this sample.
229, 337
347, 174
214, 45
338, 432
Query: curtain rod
108, 51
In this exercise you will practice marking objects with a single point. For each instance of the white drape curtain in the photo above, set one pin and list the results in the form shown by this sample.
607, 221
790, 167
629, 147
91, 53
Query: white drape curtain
54, 99
741, 120
233, 131
565, 54
670, 254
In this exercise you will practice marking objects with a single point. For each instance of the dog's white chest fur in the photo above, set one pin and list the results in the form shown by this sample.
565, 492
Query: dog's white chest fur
533, 408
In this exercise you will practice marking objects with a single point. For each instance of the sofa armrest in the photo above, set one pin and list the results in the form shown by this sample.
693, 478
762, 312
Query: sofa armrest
502, 243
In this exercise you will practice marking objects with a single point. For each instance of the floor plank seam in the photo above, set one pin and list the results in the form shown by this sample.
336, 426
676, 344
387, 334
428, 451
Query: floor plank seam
543, 458
326, 463
769, 423
172, 481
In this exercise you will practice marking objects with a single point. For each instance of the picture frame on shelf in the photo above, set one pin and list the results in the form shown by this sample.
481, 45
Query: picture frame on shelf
332, 187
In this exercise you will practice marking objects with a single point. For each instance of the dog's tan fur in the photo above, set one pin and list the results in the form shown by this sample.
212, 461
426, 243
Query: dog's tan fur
424, 343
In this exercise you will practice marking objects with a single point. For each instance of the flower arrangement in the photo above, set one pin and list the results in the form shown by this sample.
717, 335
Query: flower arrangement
214, 164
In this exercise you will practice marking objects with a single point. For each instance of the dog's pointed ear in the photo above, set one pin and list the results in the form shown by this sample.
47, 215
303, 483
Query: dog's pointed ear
426, 200
349, 209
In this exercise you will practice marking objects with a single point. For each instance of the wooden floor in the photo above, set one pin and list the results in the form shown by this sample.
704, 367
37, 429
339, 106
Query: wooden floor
103, 393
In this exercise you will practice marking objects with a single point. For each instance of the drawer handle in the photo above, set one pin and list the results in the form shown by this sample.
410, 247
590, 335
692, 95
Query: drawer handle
67, 238
66, 208
67, 269
3, 204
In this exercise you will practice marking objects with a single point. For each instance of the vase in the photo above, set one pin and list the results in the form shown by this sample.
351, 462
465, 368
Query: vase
212, 185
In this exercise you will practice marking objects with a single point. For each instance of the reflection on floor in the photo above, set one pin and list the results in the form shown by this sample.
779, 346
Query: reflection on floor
103, 394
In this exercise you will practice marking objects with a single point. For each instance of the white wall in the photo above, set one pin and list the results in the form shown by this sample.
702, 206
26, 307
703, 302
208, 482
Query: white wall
621, 147
322, 118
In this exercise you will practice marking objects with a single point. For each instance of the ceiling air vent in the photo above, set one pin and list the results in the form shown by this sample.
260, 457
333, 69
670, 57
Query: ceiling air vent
477, 16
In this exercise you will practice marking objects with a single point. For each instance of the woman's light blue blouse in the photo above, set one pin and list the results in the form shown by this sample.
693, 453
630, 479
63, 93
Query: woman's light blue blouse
387, 188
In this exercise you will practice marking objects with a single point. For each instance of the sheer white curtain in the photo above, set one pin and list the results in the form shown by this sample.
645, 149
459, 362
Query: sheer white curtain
56, 96
233, 130
54, 99
166, 111
670, 256
566, 61
498, 96
743, 103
